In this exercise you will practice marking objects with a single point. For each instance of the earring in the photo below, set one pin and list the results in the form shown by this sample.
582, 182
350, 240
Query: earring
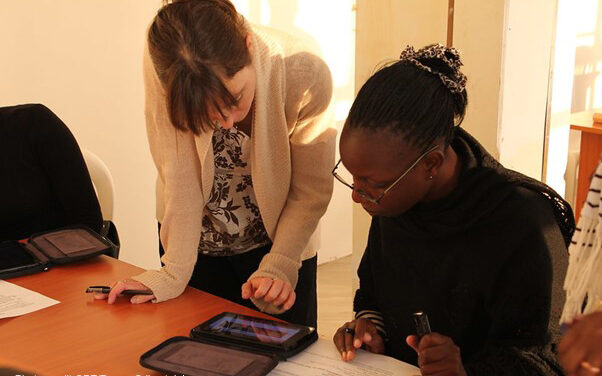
431, 177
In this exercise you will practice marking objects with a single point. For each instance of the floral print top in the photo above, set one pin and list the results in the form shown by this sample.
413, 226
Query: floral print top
231, 221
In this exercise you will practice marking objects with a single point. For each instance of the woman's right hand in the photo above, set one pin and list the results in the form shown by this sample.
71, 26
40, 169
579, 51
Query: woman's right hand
580, 350
355, 334
125, 284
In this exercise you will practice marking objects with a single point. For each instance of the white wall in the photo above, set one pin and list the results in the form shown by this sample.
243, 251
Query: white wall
478, 34
83, 60
330, 26
561, 96
526, 54
587, 85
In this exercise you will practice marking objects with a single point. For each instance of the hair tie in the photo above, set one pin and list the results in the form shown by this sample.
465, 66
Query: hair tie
449, 55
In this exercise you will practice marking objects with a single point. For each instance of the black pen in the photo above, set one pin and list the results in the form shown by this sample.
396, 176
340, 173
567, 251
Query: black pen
107, 289
423, 327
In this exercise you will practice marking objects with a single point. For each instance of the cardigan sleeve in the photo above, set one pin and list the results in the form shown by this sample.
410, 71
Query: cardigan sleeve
312, 147
525, 305
175, 156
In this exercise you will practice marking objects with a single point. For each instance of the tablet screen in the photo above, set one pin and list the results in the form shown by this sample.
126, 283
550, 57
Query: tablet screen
13, 255
254, 329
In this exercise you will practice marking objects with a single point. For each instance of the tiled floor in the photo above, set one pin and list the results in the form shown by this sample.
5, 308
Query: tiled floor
334, 296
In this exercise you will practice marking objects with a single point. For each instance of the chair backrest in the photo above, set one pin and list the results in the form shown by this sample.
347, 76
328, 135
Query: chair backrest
105, 191
103, 183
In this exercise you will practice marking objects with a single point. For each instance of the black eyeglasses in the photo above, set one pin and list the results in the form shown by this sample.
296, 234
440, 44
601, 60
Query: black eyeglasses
368, 197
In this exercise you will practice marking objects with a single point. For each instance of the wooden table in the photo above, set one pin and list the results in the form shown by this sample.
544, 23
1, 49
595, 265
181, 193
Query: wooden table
83, 336
589, 154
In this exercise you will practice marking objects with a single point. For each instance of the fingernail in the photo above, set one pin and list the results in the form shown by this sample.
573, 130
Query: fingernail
357, 343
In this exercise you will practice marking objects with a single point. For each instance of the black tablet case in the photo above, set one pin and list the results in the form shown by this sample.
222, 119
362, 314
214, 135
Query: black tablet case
200, 355
43, 250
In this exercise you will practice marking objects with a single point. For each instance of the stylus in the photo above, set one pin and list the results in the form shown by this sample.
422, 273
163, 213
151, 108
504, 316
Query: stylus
107, 289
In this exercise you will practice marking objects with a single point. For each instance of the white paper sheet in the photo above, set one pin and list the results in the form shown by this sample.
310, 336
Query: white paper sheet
16, 300
323, 359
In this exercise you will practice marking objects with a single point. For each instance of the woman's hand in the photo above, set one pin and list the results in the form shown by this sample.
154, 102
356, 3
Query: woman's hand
274, 291
125, 284
438, 355
580, 350
355, 334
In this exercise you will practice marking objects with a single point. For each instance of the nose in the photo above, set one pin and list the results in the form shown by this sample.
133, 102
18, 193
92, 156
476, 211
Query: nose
356, 197
227, 122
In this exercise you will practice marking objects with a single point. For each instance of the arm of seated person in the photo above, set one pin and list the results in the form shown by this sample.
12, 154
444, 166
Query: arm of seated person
525, 307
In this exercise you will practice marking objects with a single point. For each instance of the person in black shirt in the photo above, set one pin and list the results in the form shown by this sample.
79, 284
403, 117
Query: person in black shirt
479, 248
45, 181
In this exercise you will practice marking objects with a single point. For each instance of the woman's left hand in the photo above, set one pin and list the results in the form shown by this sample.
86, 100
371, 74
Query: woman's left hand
438, 355
274, 291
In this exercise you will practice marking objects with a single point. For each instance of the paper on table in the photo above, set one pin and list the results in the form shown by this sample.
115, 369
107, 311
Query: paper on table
323, 359
16, 300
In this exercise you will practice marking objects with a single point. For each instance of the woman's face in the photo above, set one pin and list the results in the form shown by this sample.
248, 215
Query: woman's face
375, 160
242, 87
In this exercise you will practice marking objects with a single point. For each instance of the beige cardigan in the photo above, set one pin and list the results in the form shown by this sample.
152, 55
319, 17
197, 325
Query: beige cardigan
293, 144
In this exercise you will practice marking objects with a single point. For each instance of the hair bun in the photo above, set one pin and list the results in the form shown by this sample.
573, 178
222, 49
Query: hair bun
439, 60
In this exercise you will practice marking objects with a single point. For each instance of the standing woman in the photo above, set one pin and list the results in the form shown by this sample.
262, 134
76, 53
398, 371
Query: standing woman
238, 129
480, 248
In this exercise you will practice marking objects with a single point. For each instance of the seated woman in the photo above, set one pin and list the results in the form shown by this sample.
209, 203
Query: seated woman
46, 184
479, 248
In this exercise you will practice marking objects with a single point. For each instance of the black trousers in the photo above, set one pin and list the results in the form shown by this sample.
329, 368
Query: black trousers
224, 276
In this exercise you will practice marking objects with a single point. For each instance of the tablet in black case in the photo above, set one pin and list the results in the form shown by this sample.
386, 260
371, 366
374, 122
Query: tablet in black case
230, 344
45, 249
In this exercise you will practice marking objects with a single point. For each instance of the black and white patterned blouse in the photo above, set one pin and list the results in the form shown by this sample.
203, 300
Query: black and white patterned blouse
231, 221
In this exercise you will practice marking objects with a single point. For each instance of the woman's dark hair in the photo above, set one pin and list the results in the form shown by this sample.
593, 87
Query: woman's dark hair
418, 97
192, 43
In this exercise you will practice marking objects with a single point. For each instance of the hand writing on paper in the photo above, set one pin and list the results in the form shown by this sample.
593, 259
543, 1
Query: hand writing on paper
437, 355
274, 291
125, 284
579, 351
359, 333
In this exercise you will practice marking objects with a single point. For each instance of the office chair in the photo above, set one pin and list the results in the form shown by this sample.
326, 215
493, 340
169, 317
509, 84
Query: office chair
103, 185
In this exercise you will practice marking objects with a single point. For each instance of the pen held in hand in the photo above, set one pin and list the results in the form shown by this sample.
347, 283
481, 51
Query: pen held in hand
107, 289
423, 327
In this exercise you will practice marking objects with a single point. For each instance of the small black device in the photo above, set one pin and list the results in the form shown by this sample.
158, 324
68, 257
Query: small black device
421, 320
254, 331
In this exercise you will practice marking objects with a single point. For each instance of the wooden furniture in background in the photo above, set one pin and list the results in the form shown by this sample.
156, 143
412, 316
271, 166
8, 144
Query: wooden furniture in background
589, 153
83, 336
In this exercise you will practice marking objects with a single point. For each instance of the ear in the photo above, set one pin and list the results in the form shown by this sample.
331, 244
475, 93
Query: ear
433, 162
249, 42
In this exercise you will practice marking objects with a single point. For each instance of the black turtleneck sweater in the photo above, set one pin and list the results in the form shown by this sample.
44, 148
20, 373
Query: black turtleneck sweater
486, 263
45, 181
